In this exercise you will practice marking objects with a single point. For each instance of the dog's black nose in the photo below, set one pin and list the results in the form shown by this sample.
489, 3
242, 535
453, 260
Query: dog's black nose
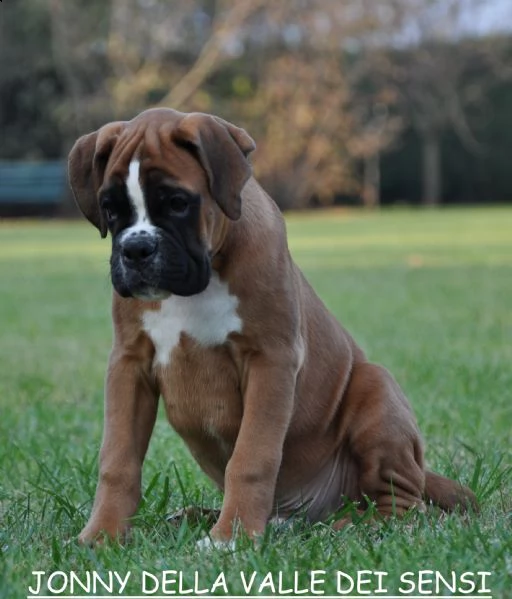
139, 247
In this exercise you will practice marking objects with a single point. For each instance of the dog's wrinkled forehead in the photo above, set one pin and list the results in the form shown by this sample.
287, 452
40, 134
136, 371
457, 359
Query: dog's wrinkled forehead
148, 141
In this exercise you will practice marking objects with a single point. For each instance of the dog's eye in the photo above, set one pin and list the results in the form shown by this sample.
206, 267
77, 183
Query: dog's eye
107, 205
175, 202
178, 204
109, 213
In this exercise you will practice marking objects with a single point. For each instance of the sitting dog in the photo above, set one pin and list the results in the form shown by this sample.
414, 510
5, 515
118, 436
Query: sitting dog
274, 399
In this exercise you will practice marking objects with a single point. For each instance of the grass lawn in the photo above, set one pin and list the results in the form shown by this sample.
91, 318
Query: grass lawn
427, 294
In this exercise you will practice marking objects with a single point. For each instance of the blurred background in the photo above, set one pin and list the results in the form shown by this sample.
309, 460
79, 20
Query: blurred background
360, 102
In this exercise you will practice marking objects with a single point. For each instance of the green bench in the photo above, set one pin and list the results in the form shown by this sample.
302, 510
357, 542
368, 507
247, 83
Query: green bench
32, 187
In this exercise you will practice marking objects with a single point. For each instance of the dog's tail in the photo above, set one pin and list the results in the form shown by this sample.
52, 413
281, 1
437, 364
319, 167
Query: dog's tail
448, 494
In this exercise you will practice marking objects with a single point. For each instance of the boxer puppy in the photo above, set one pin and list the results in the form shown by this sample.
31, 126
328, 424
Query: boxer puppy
275, 400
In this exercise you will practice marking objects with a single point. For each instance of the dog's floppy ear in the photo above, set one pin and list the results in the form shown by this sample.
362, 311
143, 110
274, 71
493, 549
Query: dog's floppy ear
222, 150
86, 167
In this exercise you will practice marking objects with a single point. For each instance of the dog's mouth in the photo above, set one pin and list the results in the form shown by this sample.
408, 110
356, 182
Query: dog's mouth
147, 293
158, 279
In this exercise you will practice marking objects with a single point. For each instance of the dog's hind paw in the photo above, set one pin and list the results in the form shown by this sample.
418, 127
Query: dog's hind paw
194, 515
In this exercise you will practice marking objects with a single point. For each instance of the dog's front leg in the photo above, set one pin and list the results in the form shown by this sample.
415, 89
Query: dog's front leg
251, 473
131, 401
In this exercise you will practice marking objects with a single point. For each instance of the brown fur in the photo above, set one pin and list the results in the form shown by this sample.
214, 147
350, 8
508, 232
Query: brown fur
298, 412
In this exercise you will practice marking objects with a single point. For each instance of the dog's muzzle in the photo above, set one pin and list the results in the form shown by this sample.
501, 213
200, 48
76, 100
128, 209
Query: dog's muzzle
153, 266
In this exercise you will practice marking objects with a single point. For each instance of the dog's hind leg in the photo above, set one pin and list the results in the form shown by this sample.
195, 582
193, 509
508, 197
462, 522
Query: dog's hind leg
380, 432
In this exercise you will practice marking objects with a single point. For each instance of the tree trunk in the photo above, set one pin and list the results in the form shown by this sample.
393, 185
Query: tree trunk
431, 169
371, 181
62, 43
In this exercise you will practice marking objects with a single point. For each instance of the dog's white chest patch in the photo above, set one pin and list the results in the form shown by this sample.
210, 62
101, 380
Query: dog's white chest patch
208, 317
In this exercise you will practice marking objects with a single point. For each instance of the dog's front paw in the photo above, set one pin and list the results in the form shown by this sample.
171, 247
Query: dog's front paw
207, 544
221, 536
96, 532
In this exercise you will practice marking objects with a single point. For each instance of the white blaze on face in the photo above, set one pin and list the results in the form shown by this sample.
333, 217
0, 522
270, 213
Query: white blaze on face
136, 197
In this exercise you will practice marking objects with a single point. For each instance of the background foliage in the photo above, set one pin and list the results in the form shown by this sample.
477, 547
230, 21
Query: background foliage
365, 101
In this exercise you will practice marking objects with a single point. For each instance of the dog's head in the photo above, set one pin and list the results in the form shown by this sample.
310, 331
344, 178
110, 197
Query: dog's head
164, 185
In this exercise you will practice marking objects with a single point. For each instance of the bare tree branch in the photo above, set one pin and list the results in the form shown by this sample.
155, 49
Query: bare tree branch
212, 53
